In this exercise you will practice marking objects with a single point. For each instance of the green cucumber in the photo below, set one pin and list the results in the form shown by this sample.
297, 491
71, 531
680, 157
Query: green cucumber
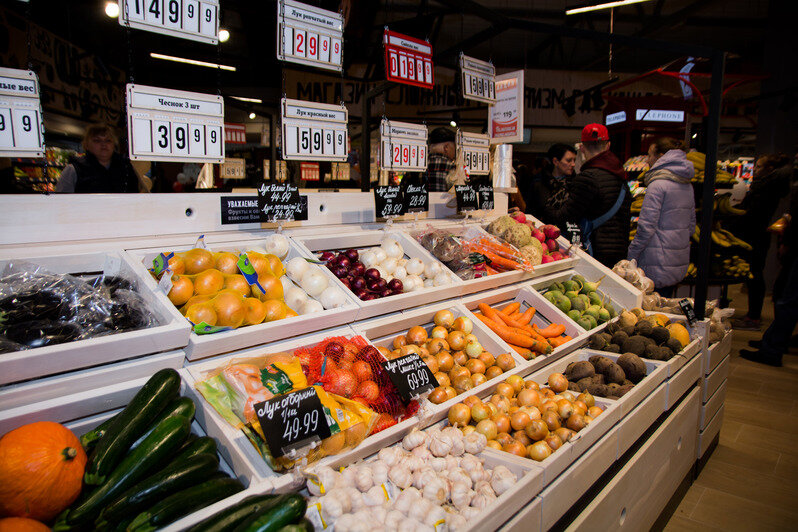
183, 503
182, 406
131, 423
202, 445
135, 466
89, 440
288, 509
303, 526
232, 516
175, 477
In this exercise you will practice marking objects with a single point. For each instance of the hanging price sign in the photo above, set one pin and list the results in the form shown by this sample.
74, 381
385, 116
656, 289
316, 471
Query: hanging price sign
309, 35
467, 198
280, 201
389, 201
478, 79
486, 201
410, 375
21, 129
187, 19
314, 131
403, 146
408, 60
169, 125
476, 152
292, 421
416, 198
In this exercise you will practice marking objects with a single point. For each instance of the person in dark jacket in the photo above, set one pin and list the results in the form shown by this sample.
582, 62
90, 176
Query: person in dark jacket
102, 169
598, 199
772, 176
548, 191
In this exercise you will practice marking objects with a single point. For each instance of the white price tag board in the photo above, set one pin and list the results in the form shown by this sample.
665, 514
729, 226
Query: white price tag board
197, 20
169, 125
21, 128
403, 146
476, 152
309, 35
478, 79
314, 131
234, 169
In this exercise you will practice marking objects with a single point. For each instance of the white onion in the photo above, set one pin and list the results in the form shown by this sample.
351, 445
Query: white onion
277, 245
383, 273
295, 298
400, 273
442, 279
432, 268
311, 306
413, 283
380, 254
414, 267
392, 248
296, 268
389, 265
332, 297
369, 259
313, 282
286, 282
428, 282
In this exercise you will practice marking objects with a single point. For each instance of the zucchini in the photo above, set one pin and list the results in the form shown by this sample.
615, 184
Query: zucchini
303, 526
175, 477
183, 503
182, 406
232, 516
131, 423
136, 465
89, 440
202, 445
287, 509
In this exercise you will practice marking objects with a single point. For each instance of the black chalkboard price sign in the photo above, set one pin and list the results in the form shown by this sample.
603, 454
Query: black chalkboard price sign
486, 201
467, 198
292, 421
689, 311
279, 201
389, 201
416, 198
410, 375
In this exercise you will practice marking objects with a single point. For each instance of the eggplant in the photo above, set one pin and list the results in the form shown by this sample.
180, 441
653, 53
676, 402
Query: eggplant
33, 305
40, 333
112, 282
125, 317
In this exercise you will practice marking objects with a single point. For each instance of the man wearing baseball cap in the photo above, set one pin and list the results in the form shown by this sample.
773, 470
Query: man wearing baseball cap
599, 200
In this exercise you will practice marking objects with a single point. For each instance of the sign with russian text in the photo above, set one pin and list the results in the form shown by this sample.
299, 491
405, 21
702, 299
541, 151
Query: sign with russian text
197, 20
21, 129
408, 60
309, 35
314, 131
475, 149
403, 146
506, 117
169, 125
478, 79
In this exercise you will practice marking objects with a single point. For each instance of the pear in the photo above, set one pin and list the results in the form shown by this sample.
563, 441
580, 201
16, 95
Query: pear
574, 314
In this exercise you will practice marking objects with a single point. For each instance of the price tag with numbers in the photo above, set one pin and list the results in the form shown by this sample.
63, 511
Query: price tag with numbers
467, 198
478, 79
486, 201
389, 201
293, 420
416, 198
169, 125
476, 152
197, 20
309, 35
403, 146
21, 129
314, 131
408, 60
410, 375
280, 201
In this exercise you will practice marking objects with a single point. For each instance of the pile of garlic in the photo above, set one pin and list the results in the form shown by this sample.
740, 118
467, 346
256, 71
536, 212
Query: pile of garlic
389, 259
432, 481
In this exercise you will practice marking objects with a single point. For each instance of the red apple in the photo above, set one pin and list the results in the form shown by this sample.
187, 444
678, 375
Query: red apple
519, 217
537, 233
545, 259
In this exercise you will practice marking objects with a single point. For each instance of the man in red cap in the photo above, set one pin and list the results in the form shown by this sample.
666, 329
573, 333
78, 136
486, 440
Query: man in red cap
599, 200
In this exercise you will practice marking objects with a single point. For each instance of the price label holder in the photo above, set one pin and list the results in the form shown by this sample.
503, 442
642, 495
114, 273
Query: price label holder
292, 421
174, 126
197, 20
475, 149
478, 79
280, 202
309, 36
485, 193
689, 311
21, 128
389, 201
408, 60
416, 198
403, 146
467, 198
240, 210
314, 131
576, 233
410, 375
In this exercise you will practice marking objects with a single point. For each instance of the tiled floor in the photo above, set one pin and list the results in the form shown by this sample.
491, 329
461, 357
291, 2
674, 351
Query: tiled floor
751, 480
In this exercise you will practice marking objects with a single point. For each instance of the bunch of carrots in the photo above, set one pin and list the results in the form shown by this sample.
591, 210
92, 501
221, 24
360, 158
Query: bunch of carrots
513, 327
502, 257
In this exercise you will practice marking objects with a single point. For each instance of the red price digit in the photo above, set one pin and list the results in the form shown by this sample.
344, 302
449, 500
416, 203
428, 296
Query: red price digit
405, 155
324, 45
300, 39
335, 47
312, 45
396, 154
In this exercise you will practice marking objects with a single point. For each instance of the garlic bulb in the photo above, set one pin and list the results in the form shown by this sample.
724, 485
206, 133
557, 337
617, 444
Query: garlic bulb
392, 519
461, 495
470, 513
412, 462
401, 476
405, 500
326, 479
482, 500
502, 479
420, 509
436, 515
348, 476
422, 452
363, 479
391, 455
345, 523
411, 525
458, 445
483, 487
335, 504
456, 521
374, 496
413, 440
440, 445
379, 471
438, 464
475, 442
378, 514
458, 475
435, 490
356, 499
452, 462
422, 476
478, 475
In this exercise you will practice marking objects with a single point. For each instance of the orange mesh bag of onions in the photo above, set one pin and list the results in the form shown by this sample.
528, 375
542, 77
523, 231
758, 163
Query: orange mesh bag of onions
352, 368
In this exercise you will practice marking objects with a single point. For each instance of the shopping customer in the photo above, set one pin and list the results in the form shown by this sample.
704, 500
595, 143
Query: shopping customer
102, 169
662, 243
549, 189
598, 199
440, 163
772, 175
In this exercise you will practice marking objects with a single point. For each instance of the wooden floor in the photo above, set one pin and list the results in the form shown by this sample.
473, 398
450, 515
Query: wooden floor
751, 480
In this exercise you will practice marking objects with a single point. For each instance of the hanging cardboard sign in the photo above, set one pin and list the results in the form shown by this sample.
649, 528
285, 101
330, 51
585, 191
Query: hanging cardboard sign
309, 36
314, 131
186, 19
478, 79
403, 146
21, 128
408, 60
506, 117
476, 152
169, 125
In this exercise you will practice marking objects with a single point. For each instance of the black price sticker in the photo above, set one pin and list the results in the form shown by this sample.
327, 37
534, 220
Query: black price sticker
467, 198
279, 201
240, 210
575, 232
689, 311
292, 421
416, 198
410, 375
389, 201
486, 202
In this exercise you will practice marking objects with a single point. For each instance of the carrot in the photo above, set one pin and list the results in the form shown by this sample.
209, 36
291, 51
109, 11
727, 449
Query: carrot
491, 271
495, 259
558, 341
516, 315
553, 330
523, 351
509, 336
509, 321
526, 317
512, 307
489, 312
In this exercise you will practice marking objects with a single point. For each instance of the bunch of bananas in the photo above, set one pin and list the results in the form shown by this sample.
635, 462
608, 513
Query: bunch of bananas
637, 204
692, 271
721, 237
723, 205
733, 266
699, 161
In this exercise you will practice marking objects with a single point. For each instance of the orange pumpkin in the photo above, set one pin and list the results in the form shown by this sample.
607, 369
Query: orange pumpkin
22, 524
41, 470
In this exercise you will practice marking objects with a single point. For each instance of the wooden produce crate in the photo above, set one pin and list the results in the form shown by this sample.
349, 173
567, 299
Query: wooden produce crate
714, 380
717, 352
615, 293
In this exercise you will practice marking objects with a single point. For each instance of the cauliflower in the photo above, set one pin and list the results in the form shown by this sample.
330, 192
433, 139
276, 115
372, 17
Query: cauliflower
519, 235
500, 225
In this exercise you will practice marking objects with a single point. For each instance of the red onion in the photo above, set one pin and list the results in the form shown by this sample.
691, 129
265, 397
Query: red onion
387, 292
373, 284
346, 282
357, 268
358, 283
326, 256
372, 273
351, 254
360, 292
339, 271
367, 297
382, 284
396, 285
341, 260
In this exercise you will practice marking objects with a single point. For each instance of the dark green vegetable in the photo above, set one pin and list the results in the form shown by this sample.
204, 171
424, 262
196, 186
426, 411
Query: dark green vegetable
232, 516
89, 440
288, 509
202, 445
182, 406
131, 423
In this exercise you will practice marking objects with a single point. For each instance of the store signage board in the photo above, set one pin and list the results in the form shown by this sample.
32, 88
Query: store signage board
408, 60
314, 131
403, 146
280, 202
292, 421
506, 117
388, 201
615, 118
416, 198
21, 127
233, 168
176, 126
410, 375
235, 133
467, 198
486, 201
197, 20
309, 36
476, 152
478, 79
239, 210
659, 115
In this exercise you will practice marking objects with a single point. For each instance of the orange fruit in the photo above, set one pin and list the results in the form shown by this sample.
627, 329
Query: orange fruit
208, 282
237, 283
182, 290
275, 309
197, 260
202, 312
227, 262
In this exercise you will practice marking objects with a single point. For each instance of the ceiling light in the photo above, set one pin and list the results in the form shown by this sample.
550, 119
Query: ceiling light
191, 61
224, 35
695, 135
252, 116
244, 99
453, 123
606, 5
112, 9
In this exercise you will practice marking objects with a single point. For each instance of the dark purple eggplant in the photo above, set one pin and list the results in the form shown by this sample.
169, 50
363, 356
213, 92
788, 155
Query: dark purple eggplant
40, 333
33, 305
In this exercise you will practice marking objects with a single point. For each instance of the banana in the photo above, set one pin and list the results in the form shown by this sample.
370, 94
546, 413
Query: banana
696, 234
720, 240
723, 205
